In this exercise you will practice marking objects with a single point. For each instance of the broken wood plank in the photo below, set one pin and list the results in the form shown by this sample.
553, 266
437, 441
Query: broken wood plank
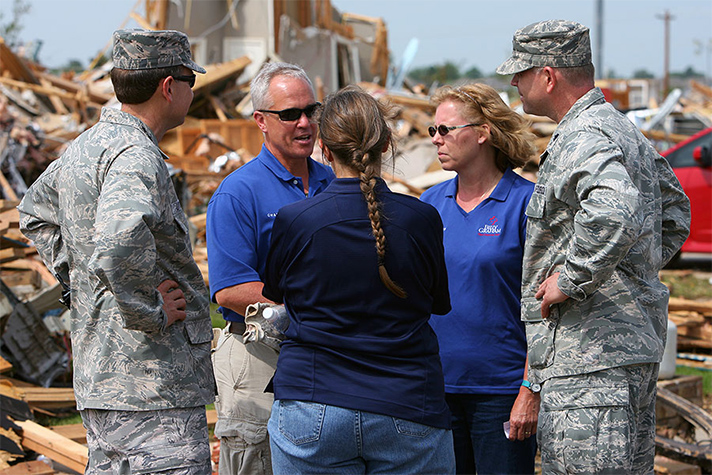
75, 87
35, 467
49, 91
13, 278
668, 466
7, 189
47, 398
684, 343
55, 446
14, 65
5, 365
8, 204
11, 254
676, 304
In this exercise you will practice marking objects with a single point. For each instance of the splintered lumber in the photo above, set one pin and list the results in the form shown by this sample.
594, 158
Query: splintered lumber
5, 365
217, 73
76, 88
7, 189
667, 466
702, 89
35, 467
47, 398
12, 253
691, 305
684, 343
12, 64
694, 414
38, 396
47, 91
53, 445
9, 219
37, 266
8, 204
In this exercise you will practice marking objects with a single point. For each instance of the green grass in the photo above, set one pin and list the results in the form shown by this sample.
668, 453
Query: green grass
706, 376
216, 317
687, 285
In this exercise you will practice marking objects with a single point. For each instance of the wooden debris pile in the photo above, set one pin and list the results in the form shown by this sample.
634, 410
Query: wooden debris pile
41, 113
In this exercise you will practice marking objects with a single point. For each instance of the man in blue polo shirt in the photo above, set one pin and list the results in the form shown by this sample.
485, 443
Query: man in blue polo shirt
239, 224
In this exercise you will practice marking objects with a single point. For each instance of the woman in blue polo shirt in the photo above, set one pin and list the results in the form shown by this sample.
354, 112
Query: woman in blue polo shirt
359, 385
482, 339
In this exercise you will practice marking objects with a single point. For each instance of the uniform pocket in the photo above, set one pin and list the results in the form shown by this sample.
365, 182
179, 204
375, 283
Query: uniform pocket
541, 333
591, 425
199, 331
537, 205
301, 422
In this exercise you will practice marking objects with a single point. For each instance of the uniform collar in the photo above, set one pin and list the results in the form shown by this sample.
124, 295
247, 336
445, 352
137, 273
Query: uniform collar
591, 98
119, 117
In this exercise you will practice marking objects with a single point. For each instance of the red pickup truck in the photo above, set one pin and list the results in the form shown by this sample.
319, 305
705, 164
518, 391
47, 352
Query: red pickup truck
692, 162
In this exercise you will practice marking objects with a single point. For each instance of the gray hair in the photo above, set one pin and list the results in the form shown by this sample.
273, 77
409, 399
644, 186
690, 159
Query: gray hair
259, 88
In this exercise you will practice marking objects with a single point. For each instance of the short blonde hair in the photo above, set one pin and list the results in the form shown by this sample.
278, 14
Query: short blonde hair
509, 132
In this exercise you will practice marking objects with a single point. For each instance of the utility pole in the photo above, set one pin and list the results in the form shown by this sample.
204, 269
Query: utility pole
666, 17
600, 72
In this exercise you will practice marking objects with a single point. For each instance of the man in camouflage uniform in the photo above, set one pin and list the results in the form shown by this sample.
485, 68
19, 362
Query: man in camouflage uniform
106, 219
606, 215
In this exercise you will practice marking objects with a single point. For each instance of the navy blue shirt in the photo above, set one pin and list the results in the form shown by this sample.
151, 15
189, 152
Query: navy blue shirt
240, 217
483, 342
351, 342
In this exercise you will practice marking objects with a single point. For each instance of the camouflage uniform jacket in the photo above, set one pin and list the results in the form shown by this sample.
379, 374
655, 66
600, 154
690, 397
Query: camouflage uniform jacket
106, 217
607, 213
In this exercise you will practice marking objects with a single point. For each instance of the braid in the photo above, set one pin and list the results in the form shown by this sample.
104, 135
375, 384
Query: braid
368, 188
352, 124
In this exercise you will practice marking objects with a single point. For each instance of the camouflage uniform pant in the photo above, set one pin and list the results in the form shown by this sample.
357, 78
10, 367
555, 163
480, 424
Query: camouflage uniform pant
169, 441
602, 422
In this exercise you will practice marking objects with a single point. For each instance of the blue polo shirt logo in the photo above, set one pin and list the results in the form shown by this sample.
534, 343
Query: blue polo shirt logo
491, 229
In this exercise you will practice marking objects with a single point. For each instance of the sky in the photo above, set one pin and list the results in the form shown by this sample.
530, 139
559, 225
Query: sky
465, 32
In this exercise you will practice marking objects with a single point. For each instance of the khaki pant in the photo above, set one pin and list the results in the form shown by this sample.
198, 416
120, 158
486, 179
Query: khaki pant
242, 372
602, 422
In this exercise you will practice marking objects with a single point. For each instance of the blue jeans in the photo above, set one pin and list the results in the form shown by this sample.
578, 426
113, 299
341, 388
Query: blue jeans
307, 437
480, 443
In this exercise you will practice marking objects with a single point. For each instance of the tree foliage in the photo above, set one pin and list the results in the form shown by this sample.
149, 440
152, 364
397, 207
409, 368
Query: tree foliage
642, 74
441, 73
10, 28
473, 73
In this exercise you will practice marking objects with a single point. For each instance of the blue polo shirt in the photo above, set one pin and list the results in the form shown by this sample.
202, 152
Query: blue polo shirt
483, 343
240, 216
351, 342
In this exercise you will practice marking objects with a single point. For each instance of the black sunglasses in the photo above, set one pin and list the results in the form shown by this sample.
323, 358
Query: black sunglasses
294, 113
443, 130
189, 78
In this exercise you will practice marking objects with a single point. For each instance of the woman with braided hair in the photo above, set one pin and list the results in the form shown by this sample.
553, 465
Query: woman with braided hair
358, 386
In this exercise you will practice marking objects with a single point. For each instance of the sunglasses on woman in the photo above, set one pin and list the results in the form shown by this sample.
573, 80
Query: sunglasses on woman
443, 130
294, 113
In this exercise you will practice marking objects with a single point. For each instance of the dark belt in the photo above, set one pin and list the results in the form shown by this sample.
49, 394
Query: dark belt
238, 328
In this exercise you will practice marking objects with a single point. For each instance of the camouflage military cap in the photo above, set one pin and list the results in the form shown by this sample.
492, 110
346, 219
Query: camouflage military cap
556, 43
145, 49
